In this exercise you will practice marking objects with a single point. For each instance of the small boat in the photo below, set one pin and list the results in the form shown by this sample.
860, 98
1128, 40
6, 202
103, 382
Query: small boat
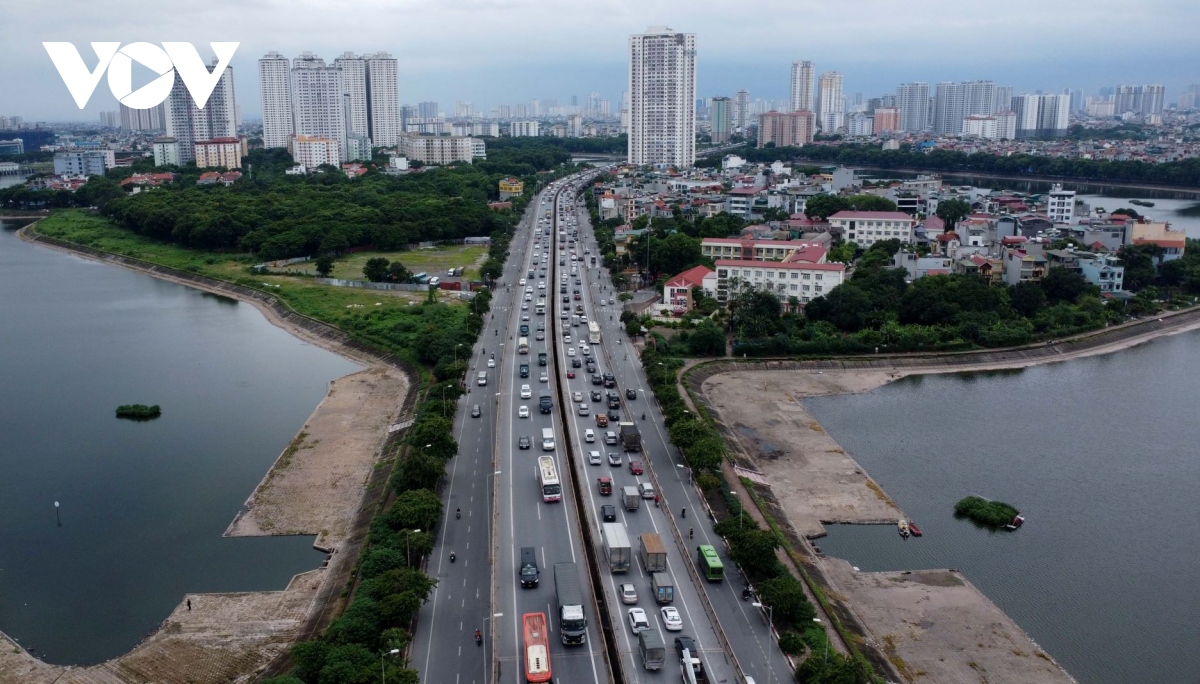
902, 528
1016, 522
916, 531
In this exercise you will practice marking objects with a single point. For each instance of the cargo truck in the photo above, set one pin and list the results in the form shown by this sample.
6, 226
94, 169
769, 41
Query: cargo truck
616, 547
631, 439
631, 498
572, 624
692, 669
653, 649
662, 586
654, 554
545, 403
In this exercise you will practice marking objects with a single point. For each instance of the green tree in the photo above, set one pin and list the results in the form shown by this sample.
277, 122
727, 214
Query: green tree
869, 202
786, 597
1028, 298
1063, 285
705, 454
324, 266
952, 211
821, 207
398, 273
843, 253
707, 340
375, 270
417, 509
434, 435
754, 550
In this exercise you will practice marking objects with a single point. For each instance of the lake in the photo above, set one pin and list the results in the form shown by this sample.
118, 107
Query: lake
143, 505
1099, 454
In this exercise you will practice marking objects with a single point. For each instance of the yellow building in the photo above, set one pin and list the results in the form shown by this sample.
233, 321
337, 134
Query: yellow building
511, 187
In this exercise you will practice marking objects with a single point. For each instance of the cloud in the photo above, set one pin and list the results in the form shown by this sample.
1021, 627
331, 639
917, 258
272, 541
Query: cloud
496, 51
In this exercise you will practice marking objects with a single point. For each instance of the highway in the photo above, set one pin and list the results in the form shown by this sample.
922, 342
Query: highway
744, 626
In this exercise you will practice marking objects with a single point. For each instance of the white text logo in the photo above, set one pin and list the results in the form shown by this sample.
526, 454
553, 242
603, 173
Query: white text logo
164, 61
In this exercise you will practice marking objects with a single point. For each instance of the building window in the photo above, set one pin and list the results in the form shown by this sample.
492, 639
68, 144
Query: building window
820, 276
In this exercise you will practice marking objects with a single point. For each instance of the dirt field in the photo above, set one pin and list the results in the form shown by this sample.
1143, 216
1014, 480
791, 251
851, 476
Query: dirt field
317, 483
813, 477
935, 626
223, 638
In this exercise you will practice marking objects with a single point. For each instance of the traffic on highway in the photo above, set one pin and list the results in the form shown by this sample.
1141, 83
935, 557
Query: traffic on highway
575, 554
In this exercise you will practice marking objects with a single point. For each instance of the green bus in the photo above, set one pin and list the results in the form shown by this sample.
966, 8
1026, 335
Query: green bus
710, 563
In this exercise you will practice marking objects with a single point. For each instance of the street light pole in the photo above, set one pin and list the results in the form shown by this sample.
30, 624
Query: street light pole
383, 672
770, 619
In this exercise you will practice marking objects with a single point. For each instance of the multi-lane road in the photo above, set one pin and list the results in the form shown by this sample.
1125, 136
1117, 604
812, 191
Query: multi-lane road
493, 482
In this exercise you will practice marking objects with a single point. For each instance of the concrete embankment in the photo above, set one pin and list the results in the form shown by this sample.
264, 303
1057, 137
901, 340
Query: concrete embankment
932, 625
325, 483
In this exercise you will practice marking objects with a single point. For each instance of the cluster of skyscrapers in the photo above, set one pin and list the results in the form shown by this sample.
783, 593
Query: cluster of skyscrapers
329, 113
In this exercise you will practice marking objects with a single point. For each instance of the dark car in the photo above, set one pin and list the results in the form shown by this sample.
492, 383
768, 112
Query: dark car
566, 300
596, 379
591, 366
524, 442
475, 411
575, 362
614, 416
630, 393
608, 512
595, 395
610, 380
685, 642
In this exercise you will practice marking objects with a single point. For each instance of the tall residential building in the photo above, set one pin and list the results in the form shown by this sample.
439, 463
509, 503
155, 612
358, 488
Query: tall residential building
275, 84
1006, 124
803, 74
188, 124
110, 119
354, 92
524, 129
463, 110
143, 119
575, 126
521, 111
860, 124
955, 101
383, 99
427, 110
504, 111
741, 109
1146, 99
790, 129
1003, 100
1041, 116
831, 106
887, 120
318, 105
535, 107
225, 152
662, 84
166, 152
721, 118
912, 99
1078, 102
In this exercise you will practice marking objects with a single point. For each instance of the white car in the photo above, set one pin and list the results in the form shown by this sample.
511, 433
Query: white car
590, 436
611, 300
585, 410
541, 284
529, 298
521, 282
524, 318
638, 621
523, 412
567, 339
628, 593
524, 306
543, 378
577, 397
528, 289
570, 351
614, 458
671, 620
526, 393
594, 457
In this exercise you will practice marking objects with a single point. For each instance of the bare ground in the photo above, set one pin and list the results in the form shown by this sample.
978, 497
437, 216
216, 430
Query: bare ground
316, 484
935, 626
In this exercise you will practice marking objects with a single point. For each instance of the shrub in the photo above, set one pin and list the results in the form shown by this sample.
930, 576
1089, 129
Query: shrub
979, 509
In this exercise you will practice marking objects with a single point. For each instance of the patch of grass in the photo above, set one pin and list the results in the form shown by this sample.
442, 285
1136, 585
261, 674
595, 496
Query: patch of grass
879, 493
435, 261
286, 457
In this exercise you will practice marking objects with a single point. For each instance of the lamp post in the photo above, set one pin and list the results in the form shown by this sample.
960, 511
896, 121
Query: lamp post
826, 658
456, 351
383, 672
57, 516
770, 615
408, 545
741, 510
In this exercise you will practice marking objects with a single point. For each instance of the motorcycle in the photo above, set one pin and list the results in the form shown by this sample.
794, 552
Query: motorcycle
451, 556
478, 638
457, 513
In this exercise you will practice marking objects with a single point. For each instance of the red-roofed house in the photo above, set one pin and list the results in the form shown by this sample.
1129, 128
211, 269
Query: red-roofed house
801, 280
677, 292
865, 228
1172, 241
977, 265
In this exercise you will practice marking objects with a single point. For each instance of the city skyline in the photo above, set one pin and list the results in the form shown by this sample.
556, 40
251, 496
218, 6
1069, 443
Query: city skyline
1037, 57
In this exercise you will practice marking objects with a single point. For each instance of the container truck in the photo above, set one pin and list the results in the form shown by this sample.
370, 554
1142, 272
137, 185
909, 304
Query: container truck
653, 649
572, 624
631, 439
654, 554
616, 547
663, 587
631, 498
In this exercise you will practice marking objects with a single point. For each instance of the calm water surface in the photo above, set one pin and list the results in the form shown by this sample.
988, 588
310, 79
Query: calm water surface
1100, 454
143, 504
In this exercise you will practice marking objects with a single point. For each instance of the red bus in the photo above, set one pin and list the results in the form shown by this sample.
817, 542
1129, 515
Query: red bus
537, 648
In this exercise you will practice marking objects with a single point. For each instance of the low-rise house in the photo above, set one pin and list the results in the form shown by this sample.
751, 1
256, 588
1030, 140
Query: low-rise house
1022, 266
985, 267
762, 250
1104, 271
677, 292
1172, 242
212, 178
917, 266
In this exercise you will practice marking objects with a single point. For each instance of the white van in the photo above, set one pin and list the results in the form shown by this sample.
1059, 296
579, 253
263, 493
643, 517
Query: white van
547, 439
482, 378
589, 436
646, 490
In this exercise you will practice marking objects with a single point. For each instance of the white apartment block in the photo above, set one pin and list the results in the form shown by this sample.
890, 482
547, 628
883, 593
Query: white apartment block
804, 281
860, 124
803, 75
274, 80
980, 127
318, 107
84, 163
144, 119
438, 150
383, 99
524, 129
830, 104
225, 152
865, 228
166, 152
912, 99
490, 129
1060, 205
1006, 125
662, 86
311, 151
187, 123
354, 92
762, 250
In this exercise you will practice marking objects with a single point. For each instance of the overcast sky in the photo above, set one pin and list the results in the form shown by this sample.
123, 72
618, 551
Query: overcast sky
506, 51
